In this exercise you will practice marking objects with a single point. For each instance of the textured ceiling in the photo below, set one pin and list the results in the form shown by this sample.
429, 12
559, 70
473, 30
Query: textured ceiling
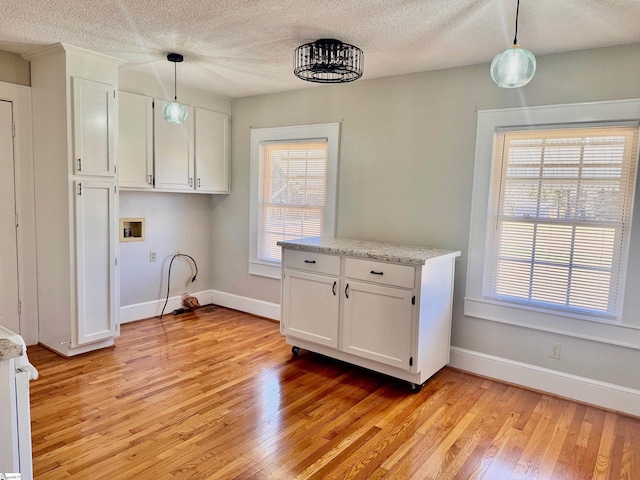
245, 47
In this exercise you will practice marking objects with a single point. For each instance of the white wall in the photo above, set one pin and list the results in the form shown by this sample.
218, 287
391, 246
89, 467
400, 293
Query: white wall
174, 221
405, 175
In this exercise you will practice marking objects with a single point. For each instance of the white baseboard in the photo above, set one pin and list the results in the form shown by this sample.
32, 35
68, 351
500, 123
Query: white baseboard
139, 311
246, 304
587, 390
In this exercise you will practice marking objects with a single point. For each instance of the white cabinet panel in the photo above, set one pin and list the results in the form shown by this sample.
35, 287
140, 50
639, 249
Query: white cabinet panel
135, 141
311, 308
173, 151
377, 323
211, 151
95, 260
93, 127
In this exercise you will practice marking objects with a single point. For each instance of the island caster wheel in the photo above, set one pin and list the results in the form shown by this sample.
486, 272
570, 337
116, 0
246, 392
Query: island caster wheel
416, 387
295, 350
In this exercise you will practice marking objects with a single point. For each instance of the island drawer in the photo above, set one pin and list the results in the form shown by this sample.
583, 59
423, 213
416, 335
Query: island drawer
380, 272
312, 262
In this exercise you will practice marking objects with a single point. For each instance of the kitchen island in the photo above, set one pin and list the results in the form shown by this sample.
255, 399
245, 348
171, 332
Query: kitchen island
382, 306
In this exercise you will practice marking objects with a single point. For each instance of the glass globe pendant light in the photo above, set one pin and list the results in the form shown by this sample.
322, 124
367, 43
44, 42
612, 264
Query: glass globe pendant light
175, 112
515, 66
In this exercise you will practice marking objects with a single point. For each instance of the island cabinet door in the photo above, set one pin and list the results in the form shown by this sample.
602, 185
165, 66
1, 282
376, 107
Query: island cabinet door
377, 323
311, 307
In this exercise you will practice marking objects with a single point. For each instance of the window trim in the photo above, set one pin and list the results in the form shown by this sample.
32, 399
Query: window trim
627, 332
328, 131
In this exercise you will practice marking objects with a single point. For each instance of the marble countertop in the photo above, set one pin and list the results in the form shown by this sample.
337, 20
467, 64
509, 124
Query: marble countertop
8, 349
386, 252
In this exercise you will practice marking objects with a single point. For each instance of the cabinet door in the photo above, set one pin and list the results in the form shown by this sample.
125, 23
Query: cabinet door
135, 141
173, 151
377, 323
93, 127
311, 307
95, 260
212, 151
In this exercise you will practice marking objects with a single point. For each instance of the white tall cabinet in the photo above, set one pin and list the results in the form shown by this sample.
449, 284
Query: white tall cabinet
74, 130
383, 307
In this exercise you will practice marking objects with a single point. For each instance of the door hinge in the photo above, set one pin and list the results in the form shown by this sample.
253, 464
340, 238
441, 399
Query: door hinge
114, 94
411, 361
19, 307
114, 189
116, 262
115, 169
413, 300
17, 222
13, 129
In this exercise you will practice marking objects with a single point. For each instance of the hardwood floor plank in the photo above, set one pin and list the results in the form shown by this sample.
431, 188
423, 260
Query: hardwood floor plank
216, 394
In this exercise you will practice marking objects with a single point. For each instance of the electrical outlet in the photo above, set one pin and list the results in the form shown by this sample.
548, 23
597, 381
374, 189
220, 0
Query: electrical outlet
152, 256
554, 351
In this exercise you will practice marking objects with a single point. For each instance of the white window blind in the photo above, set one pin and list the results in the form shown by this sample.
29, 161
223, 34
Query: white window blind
293, 190
561, 205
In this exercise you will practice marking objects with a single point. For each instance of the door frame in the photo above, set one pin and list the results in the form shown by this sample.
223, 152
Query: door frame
20, 96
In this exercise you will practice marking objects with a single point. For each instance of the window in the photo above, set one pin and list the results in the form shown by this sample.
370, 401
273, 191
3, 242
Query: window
550, 232
560, 218
293, 189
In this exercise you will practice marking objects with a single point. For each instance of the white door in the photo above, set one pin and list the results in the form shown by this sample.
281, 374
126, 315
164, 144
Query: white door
93, 127
212, 151
135, 141
173, 151
9, 312
311, 307
377, 323
95, 257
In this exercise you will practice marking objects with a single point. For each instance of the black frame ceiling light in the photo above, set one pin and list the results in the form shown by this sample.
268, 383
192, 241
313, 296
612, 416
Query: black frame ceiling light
516, 66
175, 112
328, 61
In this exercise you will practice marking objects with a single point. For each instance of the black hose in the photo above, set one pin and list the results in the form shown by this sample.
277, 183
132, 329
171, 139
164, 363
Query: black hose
193, 279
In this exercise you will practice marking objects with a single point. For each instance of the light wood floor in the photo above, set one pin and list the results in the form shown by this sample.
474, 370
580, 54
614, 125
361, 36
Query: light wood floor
218, 394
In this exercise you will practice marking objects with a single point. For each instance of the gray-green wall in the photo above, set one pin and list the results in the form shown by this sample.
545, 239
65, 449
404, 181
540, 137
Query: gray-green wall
14, 69
406, 172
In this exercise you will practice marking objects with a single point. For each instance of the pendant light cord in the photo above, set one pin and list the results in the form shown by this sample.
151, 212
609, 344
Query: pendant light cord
515, 38
175, 70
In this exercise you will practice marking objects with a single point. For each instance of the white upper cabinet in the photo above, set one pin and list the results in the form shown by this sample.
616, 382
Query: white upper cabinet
212, 151
93, 127
155, 154
135, 141
173, 151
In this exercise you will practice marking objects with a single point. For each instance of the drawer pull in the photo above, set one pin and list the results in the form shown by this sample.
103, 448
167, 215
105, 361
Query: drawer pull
309, 261
333, 289
377, 273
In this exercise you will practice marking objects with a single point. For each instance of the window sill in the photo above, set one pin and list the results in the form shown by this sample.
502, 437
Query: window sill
522, 316
263, 269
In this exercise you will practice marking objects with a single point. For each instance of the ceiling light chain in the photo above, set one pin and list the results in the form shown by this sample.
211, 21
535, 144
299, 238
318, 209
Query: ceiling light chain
175, 112
516, 66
